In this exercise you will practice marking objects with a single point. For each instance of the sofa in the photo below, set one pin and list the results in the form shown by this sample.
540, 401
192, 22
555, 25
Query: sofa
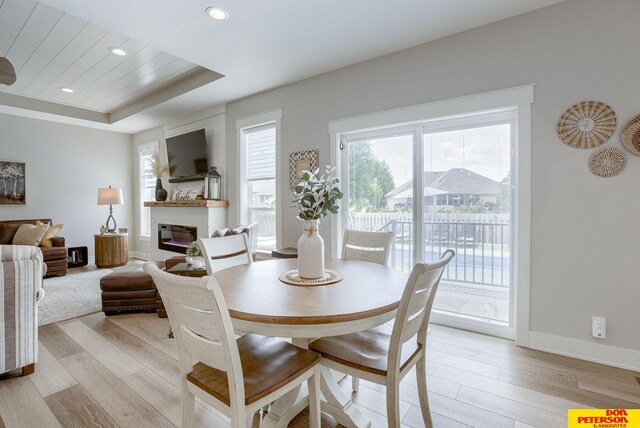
55, 257
21, 271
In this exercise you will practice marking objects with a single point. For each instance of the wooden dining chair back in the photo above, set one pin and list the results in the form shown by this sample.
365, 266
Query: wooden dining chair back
367, 246
371, 247
213, 363
202, 327
414, 312
383, 355
225, 252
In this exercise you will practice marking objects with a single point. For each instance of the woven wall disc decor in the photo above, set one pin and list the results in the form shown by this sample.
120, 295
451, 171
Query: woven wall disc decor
608, 162
587, 124
631, 135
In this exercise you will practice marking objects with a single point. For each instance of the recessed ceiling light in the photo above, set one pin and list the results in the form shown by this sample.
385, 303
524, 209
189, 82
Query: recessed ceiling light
67, 90
217, 13
118, 51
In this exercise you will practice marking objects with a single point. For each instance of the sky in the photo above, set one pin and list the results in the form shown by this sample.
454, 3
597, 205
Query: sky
485, 151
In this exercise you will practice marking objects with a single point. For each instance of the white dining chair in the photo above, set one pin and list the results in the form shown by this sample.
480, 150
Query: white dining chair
384, 355
236, 376
371, 247
225, 252
366, 246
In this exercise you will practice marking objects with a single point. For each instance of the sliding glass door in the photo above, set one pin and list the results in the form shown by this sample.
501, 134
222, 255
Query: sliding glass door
466, 175
462, 196
375, 167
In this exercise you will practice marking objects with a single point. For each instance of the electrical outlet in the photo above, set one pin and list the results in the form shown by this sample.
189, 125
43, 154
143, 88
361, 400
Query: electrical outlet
599, 327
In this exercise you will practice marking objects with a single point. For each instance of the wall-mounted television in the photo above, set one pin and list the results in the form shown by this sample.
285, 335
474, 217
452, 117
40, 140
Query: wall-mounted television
187, 154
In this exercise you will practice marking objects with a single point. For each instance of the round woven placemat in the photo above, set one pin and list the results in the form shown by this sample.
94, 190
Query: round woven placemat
292, 278
608, 162
587, 124
631, 135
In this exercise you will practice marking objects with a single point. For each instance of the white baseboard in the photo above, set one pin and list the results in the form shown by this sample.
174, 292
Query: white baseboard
139, 255
595, 352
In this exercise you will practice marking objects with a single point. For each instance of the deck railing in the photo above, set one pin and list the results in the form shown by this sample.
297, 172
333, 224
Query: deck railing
266, 227
482, 242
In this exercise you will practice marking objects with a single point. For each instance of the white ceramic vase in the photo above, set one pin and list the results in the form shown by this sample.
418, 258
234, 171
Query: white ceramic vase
311, 251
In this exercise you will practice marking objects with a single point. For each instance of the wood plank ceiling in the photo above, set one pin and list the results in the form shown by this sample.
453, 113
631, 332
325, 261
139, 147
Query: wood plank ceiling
51, 50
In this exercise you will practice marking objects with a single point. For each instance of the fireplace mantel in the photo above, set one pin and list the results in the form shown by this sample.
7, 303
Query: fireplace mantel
196, 203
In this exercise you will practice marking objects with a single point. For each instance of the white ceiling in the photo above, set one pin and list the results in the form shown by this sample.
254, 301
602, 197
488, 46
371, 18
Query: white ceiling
264, 44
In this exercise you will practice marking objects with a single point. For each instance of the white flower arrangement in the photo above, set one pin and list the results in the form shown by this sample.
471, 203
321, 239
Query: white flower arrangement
315, 197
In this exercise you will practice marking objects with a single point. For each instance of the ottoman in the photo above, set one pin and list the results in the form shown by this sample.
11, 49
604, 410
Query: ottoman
129, 289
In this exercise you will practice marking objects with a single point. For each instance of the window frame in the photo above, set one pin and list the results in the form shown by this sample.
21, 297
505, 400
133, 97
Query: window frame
272, 117
140, 150
519, 99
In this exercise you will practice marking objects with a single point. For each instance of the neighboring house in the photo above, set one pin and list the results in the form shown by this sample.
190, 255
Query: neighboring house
453, 188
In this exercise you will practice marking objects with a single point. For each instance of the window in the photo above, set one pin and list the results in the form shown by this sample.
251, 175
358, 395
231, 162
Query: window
261, 183
259, 150
465, 204
147, 185
449, 174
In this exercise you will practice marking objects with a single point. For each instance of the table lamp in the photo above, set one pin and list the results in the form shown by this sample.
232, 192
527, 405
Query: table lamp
110, 196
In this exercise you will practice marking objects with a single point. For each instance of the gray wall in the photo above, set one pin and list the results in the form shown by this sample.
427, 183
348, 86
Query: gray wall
65, 166
585, 231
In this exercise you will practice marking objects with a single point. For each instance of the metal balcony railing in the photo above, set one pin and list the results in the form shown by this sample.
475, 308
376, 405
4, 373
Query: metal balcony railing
483, 253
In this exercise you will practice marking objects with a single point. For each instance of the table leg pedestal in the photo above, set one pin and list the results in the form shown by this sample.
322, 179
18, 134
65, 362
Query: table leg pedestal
334, 402
338, 405
284, 409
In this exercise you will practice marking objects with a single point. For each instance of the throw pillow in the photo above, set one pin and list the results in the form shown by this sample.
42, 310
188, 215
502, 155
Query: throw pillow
29, 234
51, 232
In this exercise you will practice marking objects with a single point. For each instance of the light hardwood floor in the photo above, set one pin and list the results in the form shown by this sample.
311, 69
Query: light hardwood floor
123, 371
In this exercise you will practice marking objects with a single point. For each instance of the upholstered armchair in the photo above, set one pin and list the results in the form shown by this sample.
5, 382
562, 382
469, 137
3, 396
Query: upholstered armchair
21, 269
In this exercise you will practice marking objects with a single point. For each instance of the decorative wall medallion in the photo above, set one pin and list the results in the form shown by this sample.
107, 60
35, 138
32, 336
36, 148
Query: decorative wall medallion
608, 162
631, 135
587, 124
303, 160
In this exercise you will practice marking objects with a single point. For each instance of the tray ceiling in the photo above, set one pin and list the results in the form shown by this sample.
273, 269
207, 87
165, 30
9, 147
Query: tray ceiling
263, 45
51, 50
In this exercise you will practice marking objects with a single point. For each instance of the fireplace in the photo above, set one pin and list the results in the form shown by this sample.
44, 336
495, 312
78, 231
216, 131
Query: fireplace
176, 238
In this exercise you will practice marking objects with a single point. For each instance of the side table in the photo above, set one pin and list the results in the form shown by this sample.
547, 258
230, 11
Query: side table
184, 269
111, 250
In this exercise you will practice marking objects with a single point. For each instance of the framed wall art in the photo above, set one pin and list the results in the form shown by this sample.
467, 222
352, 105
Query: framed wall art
12, 183
302, 160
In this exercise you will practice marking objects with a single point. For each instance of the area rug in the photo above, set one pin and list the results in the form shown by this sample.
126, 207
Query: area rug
71, 296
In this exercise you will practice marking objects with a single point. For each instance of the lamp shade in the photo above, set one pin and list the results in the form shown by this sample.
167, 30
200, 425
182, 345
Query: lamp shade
110, 196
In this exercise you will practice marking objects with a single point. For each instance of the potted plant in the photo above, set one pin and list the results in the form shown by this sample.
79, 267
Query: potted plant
194, 256
315, 197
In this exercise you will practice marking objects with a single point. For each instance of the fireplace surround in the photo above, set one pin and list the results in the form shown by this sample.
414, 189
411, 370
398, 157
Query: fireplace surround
203, 215
176, 238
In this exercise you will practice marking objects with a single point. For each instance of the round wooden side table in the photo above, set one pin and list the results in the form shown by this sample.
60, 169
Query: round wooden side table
111, 250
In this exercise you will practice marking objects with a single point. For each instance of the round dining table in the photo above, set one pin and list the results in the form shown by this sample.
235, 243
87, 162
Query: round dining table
367, 296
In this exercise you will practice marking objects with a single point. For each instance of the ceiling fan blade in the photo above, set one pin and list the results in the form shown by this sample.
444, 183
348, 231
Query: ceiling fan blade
7, 72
